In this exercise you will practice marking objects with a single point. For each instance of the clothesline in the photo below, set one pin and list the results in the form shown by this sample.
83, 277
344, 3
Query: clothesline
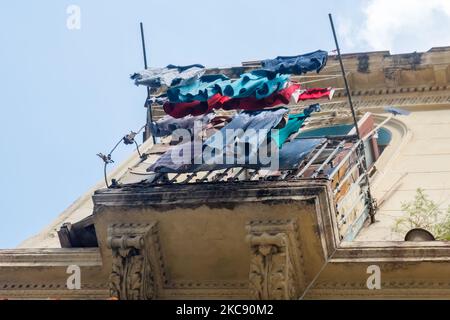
330, 66
154, 97
318, 80
327, 77
308, 76
332, 102
185, 90
317, 76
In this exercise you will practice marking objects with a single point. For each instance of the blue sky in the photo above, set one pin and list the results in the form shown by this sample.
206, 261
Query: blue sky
65, 95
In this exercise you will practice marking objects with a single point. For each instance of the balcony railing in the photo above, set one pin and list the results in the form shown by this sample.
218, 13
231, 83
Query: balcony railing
338, 159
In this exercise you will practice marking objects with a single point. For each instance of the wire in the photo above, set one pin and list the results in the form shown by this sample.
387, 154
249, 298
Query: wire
140, 130
322, 79
316, 76
137, 148
107, 158
104, 173
313, 281
115, 147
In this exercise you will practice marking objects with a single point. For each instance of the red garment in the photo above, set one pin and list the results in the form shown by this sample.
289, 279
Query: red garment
316, 94
195, 108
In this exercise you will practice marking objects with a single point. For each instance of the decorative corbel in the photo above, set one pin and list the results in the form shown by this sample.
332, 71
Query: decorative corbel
276, 267
132, 276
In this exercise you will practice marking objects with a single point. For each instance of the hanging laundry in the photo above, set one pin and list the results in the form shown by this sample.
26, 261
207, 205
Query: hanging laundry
226, 139
167, 125
294, 123
201, 90
282, 97
178, 159
259, 84
314, 61
158, 100
290, 157
257, 120
160, 79
218, 122
291, 94
293, 153
195, 108
240, 140
317, 93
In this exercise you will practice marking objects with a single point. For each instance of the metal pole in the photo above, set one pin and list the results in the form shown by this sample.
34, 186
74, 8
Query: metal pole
355, 121
344, 76
143, 46
147, 104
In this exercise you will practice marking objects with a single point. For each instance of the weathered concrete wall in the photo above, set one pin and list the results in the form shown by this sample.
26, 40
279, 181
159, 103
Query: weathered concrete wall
204, 232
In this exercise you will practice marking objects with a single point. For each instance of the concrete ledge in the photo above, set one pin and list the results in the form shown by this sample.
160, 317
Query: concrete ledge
50, 257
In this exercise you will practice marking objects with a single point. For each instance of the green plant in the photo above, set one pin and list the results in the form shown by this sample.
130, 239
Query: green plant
424, 213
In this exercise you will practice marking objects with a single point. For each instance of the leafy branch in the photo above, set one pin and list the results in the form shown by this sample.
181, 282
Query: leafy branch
424, 213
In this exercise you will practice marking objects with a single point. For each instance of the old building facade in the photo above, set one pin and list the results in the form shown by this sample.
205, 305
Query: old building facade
240, 234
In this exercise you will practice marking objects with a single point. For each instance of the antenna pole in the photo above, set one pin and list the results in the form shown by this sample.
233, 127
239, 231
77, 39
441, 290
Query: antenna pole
369, 198
344, 75
147, 105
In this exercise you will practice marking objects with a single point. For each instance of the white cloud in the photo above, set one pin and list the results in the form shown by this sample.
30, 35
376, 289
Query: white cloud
399, 26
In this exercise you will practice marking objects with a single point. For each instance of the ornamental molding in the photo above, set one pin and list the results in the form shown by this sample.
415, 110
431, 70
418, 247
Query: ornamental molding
418, 284
385, 252
411, 293
401, 288
83, 257
135, 271
208, 285
54, 294
418, 98
171, 196
276, 267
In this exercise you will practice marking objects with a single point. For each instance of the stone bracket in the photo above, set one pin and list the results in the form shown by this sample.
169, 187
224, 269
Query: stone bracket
276, 267
133, 272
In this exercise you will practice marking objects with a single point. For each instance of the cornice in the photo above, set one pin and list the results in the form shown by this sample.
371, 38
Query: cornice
198, 194
83, 257
53, 292
368, 252
364, 102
